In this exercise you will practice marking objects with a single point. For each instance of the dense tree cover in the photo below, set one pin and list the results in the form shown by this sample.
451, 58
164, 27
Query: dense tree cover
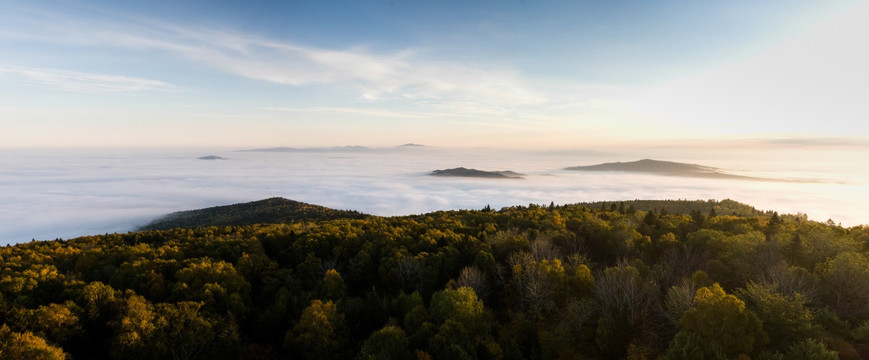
695, 207
267, 211
535, 282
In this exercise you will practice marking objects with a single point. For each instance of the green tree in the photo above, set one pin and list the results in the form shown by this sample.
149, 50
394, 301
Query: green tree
811, 349
98, 299
17, 346
845, 281
136, 329
183, 331
216, 283
389, 343
539, 283
55, 322
333, 286
687, 345
460, 304
320, 333
166, 330
464, 325
784, 316
722, 319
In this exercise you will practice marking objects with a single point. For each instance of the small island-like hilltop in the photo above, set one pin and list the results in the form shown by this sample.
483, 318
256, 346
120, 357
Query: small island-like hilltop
671, 168
465, 172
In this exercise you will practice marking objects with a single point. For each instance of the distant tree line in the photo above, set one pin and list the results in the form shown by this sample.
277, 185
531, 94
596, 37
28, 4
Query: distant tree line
682, 281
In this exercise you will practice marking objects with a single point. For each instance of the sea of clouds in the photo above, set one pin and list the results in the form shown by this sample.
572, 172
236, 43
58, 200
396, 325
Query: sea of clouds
61, 193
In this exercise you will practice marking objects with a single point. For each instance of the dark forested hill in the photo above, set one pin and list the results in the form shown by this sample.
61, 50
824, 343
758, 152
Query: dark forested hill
670, 168
268, 211
650, 166
631, 280
465, 172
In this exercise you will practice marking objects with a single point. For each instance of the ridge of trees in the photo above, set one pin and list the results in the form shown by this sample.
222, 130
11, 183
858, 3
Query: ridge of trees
723, 207
523, 282
268, 211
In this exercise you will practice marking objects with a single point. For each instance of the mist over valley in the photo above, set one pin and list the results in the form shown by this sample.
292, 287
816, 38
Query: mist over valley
52, 194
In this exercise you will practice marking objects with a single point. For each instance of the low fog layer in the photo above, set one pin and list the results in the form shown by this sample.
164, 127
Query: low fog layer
50, 194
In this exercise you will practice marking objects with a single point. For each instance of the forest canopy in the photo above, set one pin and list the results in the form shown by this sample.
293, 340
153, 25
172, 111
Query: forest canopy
634, 280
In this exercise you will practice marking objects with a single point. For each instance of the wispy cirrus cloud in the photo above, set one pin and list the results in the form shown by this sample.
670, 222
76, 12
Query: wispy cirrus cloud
400, 74
405, 74
816, 142
380, 113
82, 81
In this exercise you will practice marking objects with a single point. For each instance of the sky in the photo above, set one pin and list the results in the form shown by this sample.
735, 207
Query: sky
518, 74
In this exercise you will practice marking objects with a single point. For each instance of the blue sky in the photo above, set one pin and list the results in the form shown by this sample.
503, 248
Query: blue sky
527, 74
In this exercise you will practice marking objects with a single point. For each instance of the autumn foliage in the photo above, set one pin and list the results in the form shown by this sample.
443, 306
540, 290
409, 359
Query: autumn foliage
634, 280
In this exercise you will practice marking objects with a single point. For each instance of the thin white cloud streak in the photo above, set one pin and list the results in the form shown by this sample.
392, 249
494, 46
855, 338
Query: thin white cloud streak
379, 113
444, 111
88, 82
401, 74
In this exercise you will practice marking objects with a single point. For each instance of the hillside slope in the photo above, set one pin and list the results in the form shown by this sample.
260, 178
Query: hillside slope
269, 211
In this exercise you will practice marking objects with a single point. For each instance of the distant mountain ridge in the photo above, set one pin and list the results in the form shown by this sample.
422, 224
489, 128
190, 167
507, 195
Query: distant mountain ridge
465, 172
313, 149
268, 211
649, 166
346, 148
671, 168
